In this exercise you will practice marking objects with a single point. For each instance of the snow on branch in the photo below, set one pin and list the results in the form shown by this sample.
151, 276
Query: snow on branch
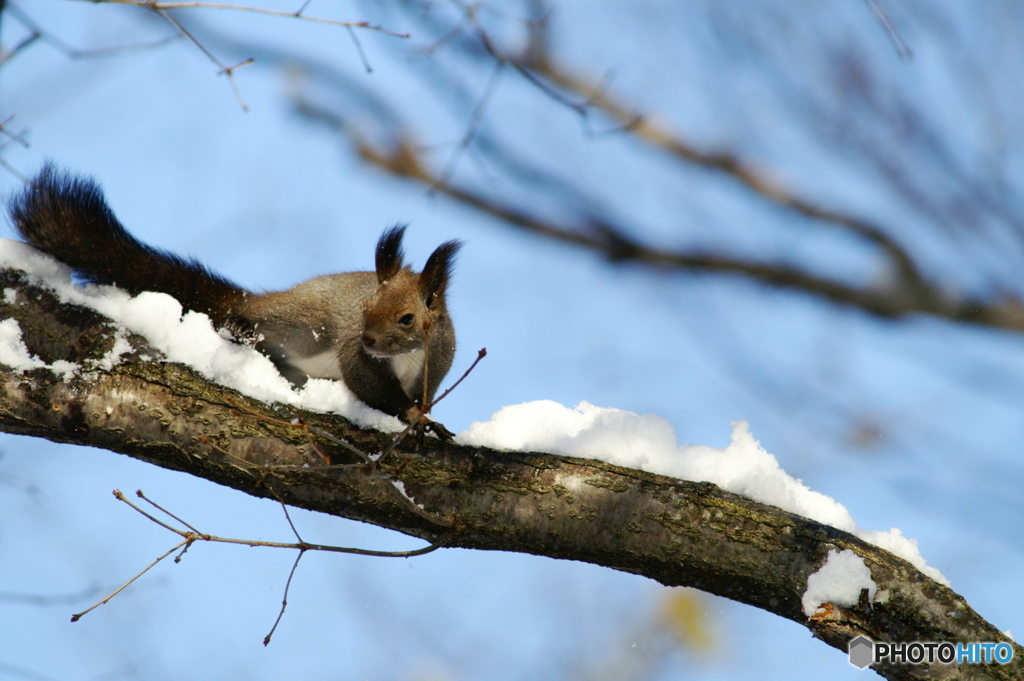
79, 377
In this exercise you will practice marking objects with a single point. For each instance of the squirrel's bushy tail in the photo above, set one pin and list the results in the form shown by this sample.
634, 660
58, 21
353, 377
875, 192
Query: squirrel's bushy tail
67, 217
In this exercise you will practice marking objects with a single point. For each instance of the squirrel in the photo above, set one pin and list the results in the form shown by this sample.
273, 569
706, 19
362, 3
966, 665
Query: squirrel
384, 333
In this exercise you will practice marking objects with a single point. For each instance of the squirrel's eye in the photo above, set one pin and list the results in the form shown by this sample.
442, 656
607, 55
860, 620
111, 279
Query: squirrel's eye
406, 319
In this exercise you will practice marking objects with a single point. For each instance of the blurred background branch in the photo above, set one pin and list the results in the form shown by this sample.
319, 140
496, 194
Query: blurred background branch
512, 181
806, 215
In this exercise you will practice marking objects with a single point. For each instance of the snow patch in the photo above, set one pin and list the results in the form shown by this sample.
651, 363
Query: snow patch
120, 348
15, 354
400, 486
839, 581
649, 443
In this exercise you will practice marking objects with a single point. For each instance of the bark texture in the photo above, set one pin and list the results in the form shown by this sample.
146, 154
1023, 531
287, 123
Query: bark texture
677, 532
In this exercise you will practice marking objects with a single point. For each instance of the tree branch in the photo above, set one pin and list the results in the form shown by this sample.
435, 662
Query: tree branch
677, 532
399, 152
894, 301
537, 64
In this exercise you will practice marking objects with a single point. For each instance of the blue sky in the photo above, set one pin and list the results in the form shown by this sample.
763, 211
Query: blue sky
269, 199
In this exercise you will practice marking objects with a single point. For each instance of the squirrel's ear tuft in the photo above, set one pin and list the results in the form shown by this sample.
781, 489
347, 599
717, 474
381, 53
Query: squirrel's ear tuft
438, 270
389, 259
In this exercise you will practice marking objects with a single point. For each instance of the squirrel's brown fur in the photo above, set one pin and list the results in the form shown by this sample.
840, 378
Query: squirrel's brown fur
370, 329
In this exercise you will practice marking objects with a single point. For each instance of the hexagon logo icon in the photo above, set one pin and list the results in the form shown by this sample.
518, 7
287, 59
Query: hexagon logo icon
862, 651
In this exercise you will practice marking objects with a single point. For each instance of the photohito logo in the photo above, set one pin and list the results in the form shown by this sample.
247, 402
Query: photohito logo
863, 652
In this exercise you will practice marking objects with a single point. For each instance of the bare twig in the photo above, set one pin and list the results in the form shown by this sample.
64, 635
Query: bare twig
471, 127
165, 9
229, 71
480, 354
9, 139
12, 136
427, 326
903, 50
359, 49
162, 6
284, 596
38, 32
305, 546
12, 170
288, 517
22, 45
408, 429
165, 512
77, 616
191, 535
341, 443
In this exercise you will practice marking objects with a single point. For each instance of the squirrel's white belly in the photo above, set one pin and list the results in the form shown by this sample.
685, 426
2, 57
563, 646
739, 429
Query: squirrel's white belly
408, 367
323, 365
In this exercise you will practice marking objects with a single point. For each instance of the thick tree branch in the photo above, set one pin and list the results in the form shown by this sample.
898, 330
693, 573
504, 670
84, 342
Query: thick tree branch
676, 532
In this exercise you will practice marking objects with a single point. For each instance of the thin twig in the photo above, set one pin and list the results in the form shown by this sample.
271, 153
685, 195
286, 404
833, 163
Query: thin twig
341, 443
427, 326
359, 49
305, 546
190, 536
23, 45
284, 597
480, 354
226, 70
13, 171
401, 436
162, 6
12, 136
120, 497
903, 50
395, 441
472, 126
40, 33
163, 510
78, 616
9, 139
